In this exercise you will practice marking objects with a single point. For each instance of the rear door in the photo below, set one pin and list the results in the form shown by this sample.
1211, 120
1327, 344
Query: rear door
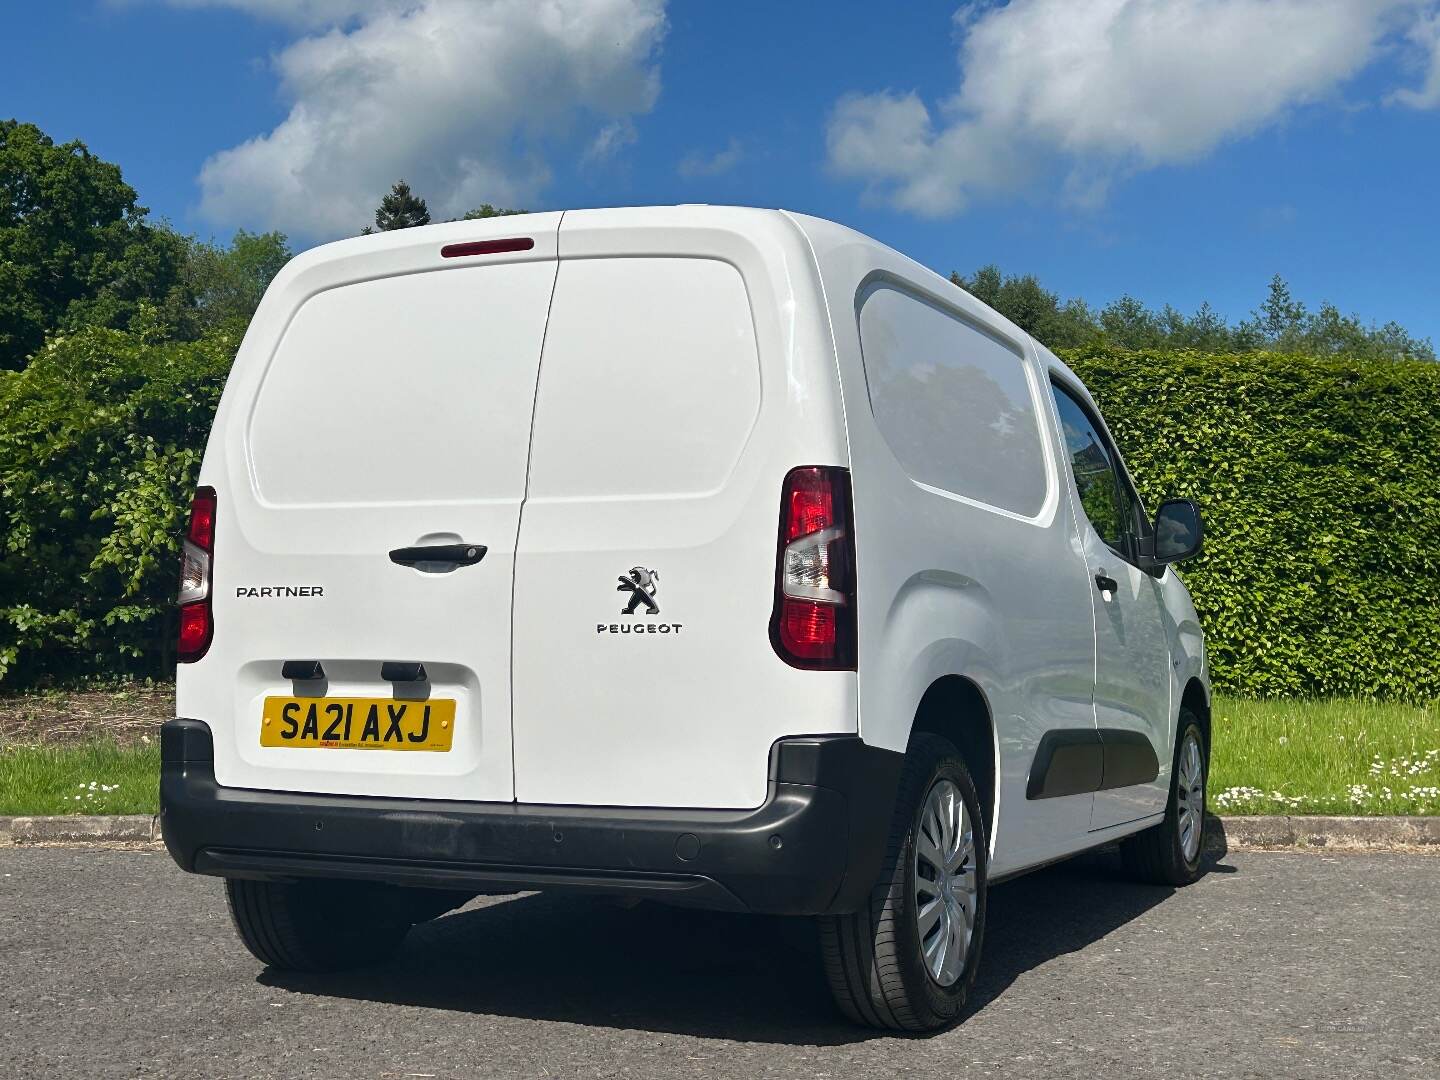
645, 572
394, 413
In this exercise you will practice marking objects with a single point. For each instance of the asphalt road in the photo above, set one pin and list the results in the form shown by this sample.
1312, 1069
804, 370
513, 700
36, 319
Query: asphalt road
113, 963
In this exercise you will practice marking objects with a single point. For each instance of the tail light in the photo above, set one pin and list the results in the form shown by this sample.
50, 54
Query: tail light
813, 625
197, 555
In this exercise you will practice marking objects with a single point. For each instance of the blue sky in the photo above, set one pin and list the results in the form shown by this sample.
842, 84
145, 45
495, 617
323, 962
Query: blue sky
1178, 150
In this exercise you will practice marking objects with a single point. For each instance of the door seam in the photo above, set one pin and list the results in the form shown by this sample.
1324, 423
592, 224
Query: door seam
525, 499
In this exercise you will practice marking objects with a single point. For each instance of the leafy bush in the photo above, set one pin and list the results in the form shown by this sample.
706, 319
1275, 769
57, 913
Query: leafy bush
100, 442
1319, 480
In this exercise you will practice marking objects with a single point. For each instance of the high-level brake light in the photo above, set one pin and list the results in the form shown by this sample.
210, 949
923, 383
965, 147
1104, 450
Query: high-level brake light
486, 247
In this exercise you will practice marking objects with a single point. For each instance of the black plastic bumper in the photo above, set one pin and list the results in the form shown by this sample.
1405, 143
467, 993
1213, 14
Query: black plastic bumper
814, 846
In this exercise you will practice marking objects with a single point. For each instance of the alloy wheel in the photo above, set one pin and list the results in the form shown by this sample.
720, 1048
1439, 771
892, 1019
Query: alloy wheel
945, 883
1190, 797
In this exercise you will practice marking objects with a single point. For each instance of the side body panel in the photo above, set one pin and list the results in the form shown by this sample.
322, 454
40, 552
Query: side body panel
948, 586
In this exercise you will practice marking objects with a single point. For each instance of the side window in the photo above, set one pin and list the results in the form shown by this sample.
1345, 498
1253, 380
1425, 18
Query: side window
1104, 497
952, 401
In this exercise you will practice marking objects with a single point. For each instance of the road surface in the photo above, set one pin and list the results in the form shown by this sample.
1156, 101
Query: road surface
114, 963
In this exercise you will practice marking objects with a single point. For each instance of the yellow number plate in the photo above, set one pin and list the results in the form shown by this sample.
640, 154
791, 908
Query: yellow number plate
358, 723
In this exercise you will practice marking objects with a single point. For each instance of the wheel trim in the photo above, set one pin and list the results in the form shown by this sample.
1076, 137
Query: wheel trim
945, 883
1190, 797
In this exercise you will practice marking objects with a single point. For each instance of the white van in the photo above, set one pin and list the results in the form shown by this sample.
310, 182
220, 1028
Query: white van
714, 556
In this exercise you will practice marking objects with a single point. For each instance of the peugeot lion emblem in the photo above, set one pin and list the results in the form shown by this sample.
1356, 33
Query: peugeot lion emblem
640, 584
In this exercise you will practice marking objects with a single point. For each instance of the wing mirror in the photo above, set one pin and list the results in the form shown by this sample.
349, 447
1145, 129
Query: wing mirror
1179, 532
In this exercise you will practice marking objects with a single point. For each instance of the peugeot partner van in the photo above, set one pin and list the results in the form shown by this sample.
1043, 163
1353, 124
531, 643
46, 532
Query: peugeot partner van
711, 556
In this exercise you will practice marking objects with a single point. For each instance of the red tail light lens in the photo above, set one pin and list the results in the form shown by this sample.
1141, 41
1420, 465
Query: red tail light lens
197, 555
201, 530
195, 631
813, 625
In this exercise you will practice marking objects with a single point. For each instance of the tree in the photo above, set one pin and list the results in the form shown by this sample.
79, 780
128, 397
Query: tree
1030, 306
223, 285
75, 249
1282, 324
485, 210
1131, 325
401, 209
1280, 315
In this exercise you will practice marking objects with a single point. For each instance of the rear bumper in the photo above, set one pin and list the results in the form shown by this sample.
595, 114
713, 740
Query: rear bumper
815, 845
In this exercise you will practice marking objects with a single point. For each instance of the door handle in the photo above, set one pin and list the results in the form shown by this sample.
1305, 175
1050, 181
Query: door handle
454, 554
1106, 583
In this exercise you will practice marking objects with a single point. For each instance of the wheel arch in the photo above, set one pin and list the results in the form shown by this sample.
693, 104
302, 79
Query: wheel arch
955, 708
1197, 700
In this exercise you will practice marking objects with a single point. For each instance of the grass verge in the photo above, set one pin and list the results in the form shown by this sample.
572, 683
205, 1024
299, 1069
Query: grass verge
1324, 757
1270, 757
92, 778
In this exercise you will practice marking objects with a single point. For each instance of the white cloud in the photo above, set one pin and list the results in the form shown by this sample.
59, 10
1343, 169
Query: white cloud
722, 161
611, 139
1105, 87
463, 98
1425, 35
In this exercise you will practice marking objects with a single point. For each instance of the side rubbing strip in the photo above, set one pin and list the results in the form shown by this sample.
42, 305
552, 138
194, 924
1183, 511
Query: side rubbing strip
1076, 761
1069, 761
1129, 759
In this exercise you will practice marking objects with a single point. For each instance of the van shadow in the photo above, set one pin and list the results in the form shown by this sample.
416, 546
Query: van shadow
584, 960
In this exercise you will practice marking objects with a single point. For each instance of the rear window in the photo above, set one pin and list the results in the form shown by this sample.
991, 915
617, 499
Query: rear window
952, 402
404, 390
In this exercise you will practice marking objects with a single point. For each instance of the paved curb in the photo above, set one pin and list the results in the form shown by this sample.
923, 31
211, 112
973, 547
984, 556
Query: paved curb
1276, 831
79, 829
1280, 831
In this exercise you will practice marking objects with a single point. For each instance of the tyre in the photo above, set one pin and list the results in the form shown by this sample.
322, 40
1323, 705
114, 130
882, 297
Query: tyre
1170, 853
907, 960
321, 925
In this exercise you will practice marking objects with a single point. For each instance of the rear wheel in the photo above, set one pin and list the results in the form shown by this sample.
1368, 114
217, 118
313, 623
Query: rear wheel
1170, 853
321, 925
907, 960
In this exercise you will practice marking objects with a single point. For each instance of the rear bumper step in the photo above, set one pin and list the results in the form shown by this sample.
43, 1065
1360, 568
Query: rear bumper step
814, 846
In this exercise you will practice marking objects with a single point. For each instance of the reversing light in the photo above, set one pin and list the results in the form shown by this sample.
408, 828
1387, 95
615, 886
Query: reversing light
813, 624
197, 556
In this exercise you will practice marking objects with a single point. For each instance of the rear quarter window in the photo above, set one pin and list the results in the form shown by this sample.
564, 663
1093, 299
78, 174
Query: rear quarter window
952, 401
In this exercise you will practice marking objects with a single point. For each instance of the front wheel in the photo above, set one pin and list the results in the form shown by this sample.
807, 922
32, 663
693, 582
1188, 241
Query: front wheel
1170, 853
907, 960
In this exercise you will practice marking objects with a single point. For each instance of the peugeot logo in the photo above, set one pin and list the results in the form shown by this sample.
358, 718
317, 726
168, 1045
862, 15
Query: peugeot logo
640, 584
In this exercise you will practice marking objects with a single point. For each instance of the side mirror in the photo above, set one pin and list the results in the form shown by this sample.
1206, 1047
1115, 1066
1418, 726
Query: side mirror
1179, 533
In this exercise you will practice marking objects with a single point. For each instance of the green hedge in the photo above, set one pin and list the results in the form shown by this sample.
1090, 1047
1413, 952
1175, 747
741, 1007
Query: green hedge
1319, 480
100, 443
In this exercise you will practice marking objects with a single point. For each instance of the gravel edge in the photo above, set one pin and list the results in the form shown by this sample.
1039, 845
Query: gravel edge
1278, 831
